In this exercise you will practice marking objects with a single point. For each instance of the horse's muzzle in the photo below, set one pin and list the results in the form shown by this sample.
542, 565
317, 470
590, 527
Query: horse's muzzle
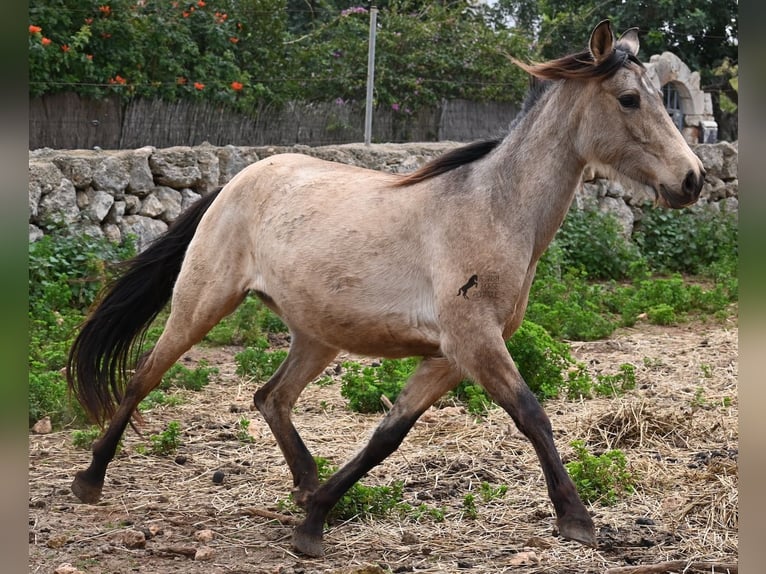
689, 192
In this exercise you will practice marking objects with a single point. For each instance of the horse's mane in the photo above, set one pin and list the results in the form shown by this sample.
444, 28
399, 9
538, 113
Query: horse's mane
449, 161
574, 66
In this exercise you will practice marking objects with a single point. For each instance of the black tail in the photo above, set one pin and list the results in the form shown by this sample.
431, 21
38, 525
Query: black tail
109, 338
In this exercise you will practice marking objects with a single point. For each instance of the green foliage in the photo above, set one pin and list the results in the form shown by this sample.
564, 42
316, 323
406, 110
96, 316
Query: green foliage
66, 272
159, 397
594, 242
167, 441
603, 478
243, 54
474, 397
563, 301
542, 361
617, 384
258, 362
699, 241
247, 325
242, 428
83, 439
181, 377
361, 501
362, 387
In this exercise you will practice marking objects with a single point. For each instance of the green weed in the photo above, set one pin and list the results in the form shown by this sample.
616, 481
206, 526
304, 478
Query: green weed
167, 441
246, 326
180, 377
600, 479
83, 439
362, 387
258, 362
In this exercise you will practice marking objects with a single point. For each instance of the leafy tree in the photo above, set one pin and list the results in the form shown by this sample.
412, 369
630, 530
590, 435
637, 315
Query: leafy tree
703, 33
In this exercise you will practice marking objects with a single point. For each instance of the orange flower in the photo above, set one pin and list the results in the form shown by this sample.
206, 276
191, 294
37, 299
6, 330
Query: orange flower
118, 80
201, 4
180, 80
199, 85
34, 29
89, 57
89, 21
64, 48
185, 14
45, 41
236, 86
105, 9
233, 39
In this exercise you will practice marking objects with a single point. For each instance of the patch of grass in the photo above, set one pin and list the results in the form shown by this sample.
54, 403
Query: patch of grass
618, 383
158, 397
600, 479
258, 362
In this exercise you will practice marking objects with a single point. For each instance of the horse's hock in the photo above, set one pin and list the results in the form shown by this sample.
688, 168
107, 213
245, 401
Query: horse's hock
139, 192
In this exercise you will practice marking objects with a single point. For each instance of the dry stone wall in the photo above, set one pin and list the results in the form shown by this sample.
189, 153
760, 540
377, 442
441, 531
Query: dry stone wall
141, 191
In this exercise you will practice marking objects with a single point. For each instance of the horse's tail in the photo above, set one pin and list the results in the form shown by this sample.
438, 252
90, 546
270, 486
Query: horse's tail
113, 333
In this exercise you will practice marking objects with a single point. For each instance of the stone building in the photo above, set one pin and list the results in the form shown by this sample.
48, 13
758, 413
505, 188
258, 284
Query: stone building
690, 107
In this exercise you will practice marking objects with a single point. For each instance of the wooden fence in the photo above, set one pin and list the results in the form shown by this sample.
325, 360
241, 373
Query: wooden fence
68, 121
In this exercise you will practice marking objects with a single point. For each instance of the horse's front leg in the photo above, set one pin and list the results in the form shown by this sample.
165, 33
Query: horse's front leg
488, 363
432, 378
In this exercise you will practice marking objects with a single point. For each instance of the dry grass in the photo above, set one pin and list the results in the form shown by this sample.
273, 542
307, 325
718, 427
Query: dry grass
681, 442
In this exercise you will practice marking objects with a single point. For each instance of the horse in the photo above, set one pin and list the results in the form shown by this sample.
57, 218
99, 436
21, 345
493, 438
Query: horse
318, 242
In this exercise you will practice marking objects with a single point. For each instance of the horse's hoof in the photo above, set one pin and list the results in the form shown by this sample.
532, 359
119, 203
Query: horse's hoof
579, 530
85, 490
307, 543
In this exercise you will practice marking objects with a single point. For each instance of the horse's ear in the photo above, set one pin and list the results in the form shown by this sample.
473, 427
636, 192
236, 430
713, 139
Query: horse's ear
601, 41
629, 41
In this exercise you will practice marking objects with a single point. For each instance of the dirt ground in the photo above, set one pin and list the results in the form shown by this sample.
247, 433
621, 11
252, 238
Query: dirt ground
678, 430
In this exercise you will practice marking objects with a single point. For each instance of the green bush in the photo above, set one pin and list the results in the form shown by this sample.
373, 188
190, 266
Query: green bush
181, 377
697, 241
542, 361
360, 501
602, 478
362, 387
66, 273
247, 325
594, 242
167, 441
258, 362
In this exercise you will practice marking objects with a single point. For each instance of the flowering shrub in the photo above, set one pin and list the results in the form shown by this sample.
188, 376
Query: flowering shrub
242, 53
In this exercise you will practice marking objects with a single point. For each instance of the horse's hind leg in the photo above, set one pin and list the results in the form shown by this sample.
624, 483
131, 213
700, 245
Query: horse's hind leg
305, 360
196, 307
433, 378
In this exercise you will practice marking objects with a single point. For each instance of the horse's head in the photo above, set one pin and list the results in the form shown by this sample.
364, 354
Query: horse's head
621, 122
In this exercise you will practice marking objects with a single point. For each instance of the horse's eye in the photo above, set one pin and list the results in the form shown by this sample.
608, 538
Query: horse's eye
630, 101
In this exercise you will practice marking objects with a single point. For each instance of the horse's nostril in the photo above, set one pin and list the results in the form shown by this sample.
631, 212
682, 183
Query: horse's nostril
693, 183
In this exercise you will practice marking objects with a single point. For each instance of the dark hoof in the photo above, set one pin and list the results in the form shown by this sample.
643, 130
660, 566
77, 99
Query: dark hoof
308, 543
85, 490
578, 529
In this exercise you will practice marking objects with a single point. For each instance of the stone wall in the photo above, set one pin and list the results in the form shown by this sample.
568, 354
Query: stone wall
139, 192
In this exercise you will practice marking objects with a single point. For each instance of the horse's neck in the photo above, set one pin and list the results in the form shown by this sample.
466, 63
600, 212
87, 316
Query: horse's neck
537, 169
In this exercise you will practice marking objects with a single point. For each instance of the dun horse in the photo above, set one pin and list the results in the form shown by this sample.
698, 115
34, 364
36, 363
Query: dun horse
370, 263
